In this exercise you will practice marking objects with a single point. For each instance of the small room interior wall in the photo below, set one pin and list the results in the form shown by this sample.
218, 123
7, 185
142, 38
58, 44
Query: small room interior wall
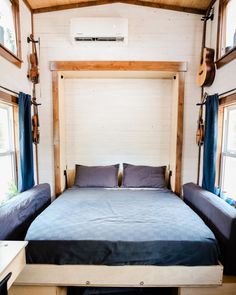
109, 121
154, 34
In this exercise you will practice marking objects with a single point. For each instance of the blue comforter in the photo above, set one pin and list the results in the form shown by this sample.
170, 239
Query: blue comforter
117, 227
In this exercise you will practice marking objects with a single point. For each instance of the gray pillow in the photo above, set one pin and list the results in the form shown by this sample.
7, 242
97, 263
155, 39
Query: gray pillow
96, 176
143, 176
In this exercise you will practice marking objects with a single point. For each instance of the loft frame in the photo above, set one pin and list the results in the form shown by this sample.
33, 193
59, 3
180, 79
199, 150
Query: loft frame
163, 66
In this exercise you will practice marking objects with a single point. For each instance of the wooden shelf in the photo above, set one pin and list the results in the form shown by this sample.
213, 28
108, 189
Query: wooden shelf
12, 259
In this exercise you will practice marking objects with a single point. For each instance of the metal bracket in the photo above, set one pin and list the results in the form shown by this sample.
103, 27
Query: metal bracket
30, 39
210, 16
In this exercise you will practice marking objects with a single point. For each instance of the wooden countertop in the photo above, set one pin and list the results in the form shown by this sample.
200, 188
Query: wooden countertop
12, 259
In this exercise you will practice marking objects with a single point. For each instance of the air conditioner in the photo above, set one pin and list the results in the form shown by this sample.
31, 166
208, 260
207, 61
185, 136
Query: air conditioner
98, 29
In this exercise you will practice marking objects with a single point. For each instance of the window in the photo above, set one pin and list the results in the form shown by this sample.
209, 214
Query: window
228, 156
9, 31
227, 32
7, 151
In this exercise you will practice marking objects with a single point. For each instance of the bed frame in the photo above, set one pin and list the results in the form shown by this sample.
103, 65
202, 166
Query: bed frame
55, 278
64, 68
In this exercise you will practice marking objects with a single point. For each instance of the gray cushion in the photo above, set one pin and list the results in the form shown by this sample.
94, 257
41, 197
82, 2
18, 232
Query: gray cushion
17, 214
143, 176
221, 219
96, 176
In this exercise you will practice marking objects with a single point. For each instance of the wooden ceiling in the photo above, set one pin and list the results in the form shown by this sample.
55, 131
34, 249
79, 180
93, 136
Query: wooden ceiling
190, 6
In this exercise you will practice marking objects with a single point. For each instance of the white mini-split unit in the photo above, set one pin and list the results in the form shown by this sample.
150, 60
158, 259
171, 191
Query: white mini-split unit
99, 29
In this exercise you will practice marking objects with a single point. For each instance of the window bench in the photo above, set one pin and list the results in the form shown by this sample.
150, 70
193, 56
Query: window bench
17, 214
220, 217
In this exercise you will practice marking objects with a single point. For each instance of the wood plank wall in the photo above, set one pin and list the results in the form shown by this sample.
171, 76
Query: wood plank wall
111, 121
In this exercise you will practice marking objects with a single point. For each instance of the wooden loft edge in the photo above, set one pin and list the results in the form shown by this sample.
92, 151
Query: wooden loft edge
73, 5
164, 6
134, 2
28, 5
164, 66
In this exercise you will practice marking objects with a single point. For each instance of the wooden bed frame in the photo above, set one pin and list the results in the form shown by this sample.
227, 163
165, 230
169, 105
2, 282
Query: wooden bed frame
60, 68
121, 276
53, 279
46, 279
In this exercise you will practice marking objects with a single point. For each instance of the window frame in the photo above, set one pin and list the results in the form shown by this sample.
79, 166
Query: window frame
225, 102
225, 58
10, 100
6, 53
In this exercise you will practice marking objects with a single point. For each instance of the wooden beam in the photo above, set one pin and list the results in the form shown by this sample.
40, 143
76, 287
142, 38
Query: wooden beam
164, 66
56, 132
28, 5
73, 5
179, 138
133, 2
165, 6
8, 98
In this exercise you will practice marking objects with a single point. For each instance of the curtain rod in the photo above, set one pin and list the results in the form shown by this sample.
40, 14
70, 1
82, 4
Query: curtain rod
220, 95
226, 92
9, 90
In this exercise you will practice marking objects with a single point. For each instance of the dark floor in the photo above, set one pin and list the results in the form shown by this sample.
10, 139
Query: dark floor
121, 291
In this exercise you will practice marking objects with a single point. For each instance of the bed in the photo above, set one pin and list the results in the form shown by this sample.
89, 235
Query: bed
140, 234
120, 227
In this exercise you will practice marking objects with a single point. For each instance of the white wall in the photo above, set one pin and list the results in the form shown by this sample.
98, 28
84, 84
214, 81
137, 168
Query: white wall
10, 75
117, 120
154, 34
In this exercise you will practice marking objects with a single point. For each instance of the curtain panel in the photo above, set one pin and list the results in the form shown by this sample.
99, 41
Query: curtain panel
210, 143
26, 169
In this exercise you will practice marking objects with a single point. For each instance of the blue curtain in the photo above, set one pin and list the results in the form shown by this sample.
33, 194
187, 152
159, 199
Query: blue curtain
26, 169
210, 143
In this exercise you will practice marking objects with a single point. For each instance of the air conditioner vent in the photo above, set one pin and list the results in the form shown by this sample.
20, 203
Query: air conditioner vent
98, 29
101, 39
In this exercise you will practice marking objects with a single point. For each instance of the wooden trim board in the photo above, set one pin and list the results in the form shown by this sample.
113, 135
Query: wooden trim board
163, 66
133, 2
8, 98
37, 290
56, 133
179, 137
62, 66
120, 276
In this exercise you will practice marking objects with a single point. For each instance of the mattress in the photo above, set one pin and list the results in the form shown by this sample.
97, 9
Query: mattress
120, 227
